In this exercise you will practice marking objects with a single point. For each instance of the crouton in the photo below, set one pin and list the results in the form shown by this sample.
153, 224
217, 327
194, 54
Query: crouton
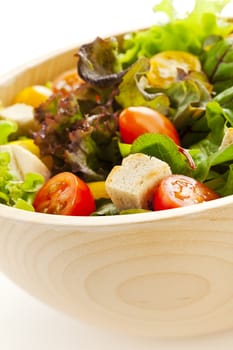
132, 184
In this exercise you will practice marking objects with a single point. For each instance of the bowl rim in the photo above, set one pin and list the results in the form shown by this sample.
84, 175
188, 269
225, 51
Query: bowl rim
20, 215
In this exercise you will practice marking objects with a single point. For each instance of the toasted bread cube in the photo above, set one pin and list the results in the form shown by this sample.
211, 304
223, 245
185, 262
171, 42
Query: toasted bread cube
132, 184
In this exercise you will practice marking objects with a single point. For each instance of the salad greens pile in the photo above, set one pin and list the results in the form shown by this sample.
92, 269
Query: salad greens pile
83, 144
15, 192
200, 27
80, 131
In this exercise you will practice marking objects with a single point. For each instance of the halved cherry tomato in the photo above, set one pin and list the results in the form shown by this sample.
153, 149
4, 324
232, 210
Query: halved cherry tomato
165, 67
67, 82
65, 194
177, 191
135, 121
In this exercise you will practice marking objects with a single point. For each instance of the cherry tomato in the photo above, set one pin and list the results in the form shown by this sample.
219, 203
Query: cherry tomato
177, 191
165, 66
33, 95
65, 194
67, 82
135, 121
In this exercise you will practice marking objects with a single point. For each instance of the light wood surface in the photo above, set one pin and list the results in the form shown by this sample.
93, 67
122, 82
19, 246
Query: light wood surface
153, 274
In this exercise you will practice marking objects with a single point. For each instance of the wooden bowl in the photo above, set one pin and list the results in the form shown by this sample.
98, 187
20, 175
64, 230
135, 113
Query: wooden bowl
163, 273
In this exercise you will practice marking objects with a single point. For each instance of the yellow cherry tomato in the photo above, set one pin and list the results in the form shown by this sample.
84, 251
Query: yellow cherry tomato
98, 189
28, 144
164, 67
33, 95
32, 147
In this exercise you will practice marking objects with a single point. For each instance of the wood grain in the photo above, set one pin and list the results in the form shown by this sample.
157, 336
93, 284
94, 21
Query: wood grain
170, 277
153, 274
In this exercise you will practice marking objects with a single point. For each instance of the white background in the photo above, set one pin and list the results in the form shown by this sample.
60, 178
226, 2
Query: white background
28, 30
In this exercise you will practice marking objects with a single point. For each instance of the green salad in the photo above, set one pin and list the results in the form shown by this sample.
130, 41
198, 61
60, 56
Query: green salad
165, 92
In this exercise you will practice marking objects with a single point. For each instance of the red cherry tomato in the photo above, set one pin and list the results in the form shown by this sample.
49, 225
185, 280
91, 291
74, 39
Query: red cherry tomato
65, 194
135, 121
67, 82
177, 191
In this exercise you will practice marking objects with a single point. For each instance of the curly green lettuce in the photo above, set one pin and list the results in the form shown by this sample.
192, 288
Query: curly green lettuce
184, 34
15, 192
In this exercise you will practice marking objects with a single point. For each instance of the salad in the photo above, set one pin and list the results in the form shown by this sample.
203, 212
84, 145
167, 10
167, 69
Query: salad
145, 122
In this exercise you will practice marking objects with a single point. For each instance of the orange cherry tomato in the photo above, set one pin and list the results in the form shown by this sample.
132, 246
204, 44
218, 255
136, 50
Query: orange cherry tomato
135, 121
66, 82
65, 194
177, 191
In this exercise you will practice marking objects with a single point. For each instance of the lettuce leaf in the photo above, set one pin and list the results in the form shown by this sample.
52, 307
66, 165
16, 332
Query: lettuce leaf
162, 147
98, 63
218, 64
7, 128
104, 207
131, 93
188, 100
224, 185
225, 100
206, 154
